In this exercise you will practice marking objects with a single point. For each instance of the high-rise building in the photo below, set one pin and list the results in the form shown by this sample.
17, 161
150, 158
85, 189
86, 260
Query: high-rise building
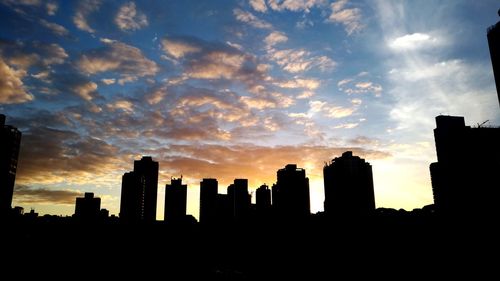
88, 207
290, 194
175, 200
10, 141
132, 197
348, 186
263, 200
148, 169
465, 179
494, 44
239, 198
208, 200
224, 210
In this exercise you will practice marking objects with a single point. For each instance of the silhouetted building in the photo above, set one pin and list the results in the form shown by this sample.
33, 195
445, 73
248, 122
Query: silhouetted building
148, 169
348, 186
10, 141
240, 199
132, 197
494, 44
465, 179
175, 200
223, 210
263, 200
290, 194
208, 200
88, 207
104, 214
18, 211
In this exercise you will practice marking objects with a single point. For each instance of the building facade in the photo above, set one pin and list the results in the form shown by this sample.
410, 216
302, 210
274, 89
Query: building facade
290, 194
493, 35
208, 200
88, 207
10, 142
148, 169
132, 197
175, 200
348, 183
465, 178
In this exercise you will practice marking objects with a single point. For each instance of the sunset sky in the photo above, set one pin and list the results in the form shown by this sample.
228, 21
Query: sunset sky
236, 89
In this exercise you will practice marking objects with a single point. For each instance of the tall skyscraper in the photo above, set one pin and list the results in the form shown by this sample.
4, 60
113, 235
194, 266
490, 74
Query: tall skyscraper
175, 200
10, 141
348, 186
494, 44
239, 198
88, 207
263, 200
132, 197
465, 179
290, 194
208, 200
148, 169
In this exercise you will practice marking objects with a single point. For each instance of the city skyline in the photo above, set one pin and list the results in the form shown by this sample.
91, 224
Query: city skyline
99, 84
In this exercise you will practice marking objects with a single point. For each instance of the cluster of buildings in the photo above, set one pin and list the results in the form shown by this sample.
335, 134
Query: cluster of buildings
348, 182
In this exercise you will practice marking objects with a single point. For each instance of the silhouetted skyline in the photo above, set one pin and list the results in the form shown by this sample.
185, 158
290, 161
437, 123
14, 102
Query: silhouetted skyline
240, 94
236, 90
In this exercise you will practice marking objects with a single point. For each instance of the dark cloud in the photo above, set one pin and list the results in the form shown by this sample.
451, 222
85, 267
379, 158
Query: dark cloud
115, 56
212, 61
28, 195
51, 155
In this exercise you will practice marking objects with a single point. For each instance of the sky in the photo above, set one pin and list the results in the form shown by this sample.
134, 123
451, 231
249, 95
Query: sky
236, 89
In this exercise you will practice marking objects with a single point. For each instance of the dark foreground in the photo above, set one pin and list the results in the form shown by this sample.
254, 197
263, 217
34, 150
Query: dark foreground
313, 249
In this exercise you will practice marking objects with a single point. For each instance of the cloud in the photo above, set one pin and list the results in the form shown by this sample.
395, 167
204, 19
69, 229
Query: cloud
118, 57
156, 95
234, 45
258, 5
86, 91
252, 20
55, 28
329, 110
51, 53
346, 126
360, 84
305, 95
424, 82
294, 5
274, 38
123, 105
413, 41
228, 162
52, 8
12, 89
214, 61
84, 9
50, 156
25, 194
300, 60
268, 100
108, 81
128, 18
26, 55
296, 82
178, 48
11, 3
349, 17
